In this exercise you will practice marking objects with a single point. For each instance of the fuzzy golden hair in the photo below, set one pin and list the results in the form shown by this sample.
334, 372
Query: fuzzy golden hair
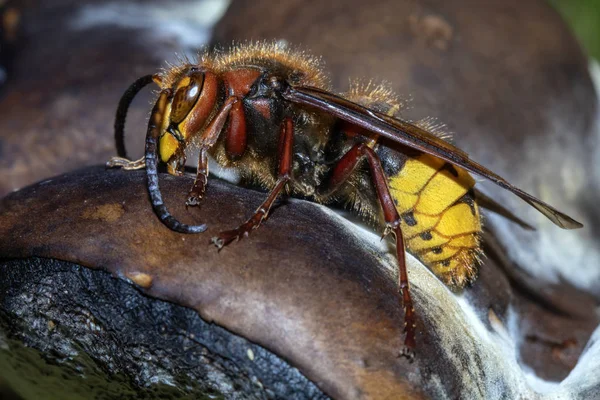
261, 54
370, 94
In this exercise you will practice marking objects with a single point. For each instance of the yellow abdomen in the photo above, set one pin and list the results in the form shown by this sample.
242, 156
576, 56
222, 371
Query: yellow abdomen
441, 223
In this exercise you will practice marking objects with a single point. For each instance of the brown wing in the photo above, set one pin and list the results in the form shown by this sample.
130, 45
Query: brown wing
492, 205
412, 136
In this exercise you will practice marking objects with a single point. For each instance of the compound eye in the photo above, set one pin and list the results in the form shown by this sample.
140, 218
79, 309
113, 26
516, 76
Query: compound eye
188, 91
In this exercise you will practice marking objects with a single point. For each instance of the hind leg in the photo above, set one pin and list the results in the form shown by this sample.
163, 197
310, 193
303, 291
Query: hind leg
342, 171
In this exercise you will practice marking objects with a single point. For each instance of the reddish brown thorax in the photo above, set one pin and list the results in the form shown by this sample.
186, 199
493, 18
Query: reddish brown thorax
239, 81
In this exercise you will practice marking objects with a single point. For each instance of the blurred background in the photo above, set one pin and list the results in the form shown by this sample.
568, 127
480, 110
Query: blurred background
582, 15
584, 18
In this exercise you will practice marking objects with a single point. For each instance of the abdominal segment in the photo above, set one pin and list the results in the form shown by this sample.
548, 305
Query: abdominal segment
441, 223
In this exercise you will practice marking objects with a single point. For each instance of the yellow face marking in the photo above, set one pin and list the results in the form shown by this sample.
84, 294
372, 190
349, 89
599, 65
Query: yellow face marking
415, 174
443, 190
418, 243
184, 82
457, 220
167, 144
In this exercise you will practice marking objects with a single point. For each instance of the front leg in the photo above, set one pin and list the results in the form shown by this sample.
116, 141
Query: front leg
128, 165
199, 187
174, 167
284, 176
207, 140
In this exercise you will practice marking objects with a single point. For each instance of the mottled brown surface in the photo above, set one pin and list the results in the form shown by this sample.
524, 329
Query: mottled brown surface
338, 322
554, 321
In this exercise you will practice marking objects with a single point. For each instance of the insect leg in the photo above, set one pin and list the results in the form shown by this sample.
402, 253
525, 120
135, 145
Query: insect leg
236, 139
213, 130
126, 164
208, 139
176, 166
197, 191
285, 165
342, 171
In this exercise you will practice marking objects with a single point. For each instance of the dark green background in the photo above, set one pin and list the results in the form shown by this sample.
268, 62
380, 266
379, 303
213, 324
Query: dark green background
584, 18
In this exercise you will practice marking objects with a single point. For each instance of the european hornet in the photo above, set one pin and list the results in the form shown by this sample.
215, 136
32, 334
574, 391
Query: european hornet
269, 113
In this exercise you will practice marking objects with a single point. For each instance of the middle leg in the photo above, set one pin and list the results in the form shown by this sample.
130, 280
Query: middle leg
284, 176
199, 187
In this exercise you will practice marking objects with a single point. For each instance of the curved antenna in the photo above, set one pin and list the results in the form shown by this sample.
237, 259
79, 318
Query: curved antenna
151, 155
124, 104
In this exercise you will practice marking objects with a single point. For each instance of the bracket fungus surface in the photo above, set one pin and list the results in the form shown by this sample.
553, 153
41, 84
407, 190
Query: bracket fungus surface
309, 288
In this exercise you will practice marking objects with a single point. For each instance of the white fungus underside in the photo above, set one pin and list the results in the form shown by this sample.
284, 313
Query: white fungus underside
488, 359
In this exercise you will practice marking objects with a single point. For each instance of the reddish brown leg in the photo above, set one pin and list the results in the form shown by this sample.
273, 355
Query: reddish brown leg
175, 167
197, 191
213, 130
126, 164
208, 139
236, 138
341, 173
285, 163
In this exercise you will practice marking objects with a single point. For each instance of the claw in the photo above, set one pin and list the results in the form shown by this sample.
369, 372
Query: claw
227, 237
218, 242
408, 353
193, 201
